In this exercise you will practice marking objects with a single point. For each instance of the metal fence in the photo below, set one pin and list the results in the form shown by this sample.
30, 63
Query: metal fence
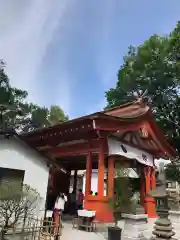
34, 229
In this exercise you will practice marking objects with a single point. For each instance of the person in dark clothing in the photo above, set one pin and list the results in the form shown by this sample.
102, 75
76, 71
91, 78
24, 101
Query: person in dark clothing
80, 200
73, 204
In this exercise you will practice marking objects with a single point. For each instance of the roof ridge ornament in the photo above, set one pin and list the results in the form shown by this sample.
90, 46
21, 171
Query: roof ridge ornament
141, 97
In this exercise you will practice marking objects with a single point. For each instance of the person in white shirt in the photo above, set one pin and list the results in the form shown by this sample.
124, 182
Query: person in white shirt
59, 206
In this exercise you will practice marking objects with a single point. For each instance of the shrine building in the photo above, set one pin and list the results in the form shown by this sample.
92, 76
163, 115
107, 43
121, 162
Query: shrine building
126, 134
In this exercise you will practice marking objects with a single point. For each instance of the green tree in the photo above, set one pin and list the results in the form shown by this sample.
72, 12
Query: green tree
43, 117
122, 201
39, 115
11, 99
5, 93
32, 115
56, 115
154, 66
172, 172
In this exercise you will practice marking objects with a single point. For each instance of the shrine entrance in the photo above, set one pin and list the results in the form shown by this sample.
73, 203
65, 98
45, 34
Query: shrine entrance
125, 134
59, 181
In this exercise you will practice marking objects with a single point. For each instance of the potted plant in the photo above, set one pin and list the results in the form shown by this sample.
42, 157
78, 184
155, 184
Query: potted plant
121, 202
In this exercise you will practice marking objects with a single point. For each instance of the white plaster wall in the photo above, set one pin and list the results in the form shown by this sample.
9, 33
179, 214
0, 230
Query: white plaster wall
17, 155
94, 181
84, 183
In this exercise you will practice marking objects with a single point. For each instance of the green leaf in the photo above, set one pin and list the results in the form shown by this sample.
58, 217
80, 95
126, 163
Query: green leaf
153, 66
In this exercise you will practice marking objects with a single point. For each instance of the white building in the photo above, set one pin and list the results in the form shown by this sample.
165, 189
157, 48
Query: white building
20, 162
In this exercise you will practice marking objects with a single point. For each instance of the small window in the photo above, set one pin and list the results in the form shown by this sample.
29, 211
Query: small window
11, 182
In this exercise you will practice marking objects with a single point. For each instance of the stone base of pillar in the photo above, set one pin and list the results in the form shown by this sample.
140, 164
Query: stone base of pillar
135, 226
174, 217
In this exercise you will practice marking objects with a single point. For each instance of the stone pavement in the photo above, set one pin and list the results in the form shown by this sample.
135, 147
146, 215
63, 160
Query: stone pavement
69, 233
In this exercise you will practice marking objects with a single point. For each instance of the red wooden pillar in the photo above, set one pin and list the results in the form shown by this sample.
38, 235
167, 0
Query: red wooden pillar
111, 175
88, 174
148, 179
101, 170
100, 202
150, 205
153, 178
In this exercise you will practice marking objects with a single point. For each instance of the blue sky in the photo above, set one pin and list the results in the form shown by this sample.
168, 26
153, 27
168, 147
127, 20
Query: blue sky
68, 52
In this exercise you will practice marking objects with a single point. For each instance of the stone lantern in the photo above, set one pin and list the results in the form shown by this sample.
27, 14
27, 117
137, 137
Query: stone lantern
163, 227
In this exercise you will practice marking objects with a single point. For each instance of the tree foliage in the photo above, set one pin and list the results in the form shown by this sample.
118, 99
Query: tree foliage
17, 203
32, 116
122, 202
5, 93
56, 115
154, 66
172, 172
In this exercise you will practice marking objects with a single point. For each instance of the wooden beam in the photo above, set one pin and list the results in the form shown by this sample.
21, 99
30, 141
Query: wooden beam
75, 149
79, 166
61, 130
117, 125
69, 136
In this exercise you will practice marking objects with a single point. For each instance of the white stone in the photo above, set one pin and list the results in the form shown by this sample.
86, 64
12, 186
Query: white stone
134, 226
174, 217
86, 213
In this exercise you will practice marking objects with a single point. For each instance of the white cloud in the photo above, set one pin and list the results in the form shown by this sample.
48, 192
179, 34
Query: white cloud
27, 28
106, 63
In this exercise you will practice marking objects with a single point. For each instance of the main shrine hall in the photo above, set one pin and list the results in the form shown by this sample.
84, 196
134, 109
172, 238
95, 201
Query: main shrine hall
126, 135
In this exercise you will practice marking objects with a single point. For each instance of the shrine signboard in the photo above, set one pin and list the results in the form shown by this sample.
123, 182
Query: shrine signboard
118, 148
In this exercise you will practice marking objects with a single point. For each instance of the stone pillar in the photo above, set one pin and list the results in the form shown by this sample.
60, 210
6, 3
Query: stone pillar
111, 175
88, 174
101, 170
135, 226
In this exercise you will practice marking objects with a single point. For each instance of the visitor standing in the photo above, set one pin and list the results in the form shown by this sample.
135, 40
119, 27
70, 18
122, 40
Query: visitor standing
80, 199
73, 205
59, 208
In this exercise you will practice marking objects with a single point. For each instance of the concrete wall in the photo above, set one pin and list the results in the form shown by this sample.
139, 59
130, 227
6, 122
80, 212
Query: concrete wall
15, 154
